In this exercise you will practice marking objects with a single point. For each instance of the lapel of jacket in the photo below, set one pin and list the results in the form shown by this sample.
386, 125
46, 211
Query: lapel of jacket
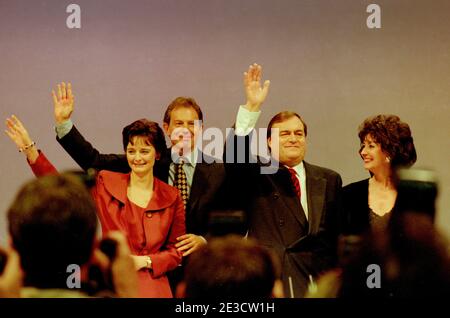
289, 198
162, 166
316, 187
202, 173
116, 184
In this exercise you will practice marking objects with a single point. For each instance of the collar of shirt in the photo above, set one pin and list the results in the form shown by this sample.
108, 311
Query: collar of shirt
300, 169
188, 168
190, 159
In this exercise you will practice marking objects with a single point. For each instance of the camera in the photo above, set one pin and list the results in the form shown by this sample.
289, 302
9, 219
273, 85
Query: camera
417, 190
101, 283
109, 247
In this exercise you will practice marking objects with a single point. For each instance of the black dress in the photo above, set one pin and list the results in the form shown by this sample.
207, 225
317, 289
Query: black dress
357, 217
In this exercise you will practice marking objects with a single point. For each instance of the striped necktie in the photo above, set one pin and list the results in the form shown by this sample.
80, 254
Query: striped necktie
181, 182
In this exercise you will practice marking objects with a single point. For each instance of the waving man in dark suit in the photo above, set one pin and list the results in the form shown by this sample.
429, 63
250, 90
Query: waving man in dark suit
295, 210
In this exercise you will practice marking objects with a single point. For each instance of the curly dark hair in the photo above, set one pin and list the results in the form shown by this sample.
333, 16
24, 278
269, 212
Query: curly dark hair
394, 137
145, 128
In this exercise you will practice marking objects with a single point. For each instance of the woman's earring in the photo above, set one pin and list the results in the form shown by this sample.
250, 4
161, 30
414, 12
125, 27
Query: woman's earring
388, 160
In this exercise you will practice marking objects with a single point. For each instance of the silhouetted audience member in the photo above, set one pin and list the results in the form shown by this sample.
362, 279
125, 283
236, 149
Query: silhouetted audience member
413, 262
52, 224
413, 259
234, 267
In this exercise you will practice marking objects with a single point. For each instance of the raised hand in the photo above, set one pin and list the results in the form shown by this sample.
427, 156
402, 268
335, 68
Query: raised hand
63, 102
17, 132
255, 93
19, 135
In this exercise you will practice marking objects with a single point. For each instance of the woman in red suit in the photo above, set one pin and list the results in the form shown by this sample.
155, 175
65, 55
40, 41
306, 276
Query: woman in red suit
149, 211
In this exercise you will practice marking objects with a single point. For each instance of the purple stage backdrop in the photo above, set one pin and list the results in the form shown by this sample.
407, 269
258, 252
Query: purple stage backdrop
129, 59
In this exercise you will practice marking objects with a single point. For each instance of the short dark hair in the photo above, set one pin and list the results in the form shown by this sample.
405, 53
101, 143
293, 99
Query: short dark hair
187, 102
231, 267
52, 222
394, 137
283, 116
145, 128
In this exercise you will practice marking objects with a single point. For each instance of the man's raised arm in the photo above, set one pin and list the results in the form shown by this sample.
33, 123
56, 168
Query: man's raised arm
82, 151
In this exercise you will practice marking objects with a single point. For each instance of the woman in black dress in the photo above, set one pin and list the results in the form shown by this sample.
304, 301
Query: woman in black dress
386, 144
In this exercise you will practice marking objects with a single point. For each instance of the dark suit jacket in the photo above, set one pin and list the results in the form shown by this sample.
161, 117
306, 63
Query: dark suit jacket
206, 191
276, 218
355, 208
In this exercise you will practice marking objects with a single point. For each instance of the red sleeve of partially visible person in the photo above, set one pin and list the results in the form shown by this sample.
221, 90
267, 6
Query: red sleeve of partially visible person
169, 257
42, 166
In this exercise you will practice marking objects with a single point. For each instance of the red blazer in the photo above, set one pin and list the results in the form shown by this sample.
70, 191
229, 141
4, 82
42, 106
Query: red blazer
150, 231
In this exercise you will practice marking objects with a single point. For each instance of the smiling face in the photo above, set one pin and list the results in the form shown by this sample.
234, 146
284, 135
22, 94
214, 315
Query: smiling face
373, 155
292, 142
182, 129
141, 155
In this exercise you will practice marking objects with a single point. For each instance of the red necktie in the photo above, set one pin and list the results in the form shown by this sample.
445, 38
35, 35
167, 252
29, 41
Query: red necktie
295, 181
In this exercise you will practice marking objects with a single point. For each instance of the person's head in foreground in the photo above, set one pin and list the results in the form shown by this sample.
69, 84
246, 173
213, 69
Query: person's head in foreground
231, 266
52, 224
